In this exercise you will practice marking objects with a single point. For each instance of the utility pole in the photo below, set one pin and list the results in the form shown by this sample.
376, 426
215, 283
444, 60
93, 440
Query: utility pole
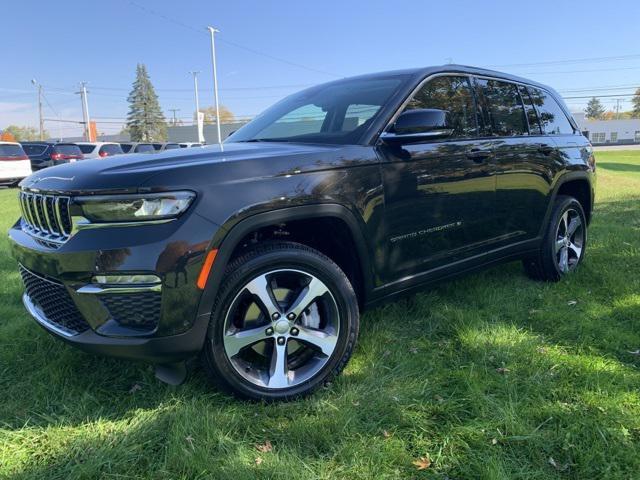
85, 110
195, 91
213, 31
41, 119
175, 120
618, 100
197, 115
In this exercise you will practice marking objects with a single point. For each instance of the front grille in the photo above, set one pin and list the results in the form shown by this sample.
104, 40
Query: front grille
46, 216
52, 298
134, 310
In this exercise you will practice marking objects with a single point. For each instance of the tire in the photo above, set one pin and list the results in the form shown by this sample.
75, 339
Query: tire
550, 263
318, 341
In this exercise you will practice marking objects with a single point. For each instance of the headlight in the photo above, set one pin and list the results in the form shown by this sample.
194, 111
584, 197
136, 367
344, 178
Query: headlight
133, 208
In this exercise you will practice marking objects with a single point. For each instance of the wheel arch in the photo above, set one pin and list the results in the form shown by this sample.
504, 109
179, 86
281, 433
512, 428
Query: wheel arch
229, 239
579, 186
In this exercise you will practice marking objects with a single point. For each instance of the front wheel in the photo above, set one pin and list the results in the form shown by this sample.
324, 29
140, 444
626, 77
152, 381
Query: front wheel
284, 323
564, 244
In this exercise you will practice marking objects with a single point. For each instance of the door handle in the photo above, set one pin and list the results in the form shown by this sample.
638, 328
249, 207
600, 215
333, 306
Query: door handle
545, 149
478, 156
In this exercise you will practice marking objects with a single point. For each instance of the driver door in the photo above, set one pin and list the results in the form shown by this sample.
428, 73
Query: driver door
439, 193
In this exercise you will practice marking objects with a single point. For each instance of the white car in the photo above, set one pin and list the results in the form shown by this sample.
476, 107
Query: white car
99, 149
14, 163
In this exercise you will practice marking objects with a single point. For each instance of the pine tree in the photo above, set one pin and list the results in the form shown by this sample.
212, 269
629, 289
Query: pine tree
635, 112
594, 109
145, 120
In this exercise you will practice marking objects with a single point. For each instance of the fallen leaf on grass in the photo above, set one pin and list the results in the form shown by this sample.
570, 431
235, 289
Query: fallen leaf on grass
422, 463
571, 303
258, 461
135, 388
494, 441
413, 350
502, 370
355, 403
386, 434
189, 440
386, 353
264, 447
637, 352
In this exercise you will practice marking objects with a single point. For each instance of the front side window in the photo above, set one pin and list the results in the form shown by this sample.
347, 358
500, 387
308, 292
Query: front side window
554, 120
336, 113
504, 112
452, 94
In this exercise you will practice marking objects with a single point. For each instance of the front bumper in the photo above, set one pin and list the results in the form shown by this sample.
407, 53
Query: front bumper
176, 332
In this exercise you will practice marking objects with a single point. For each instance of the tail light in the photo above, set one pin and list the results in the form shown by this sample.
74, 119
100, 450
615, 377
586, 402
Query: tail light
61, 156
103, 154
11, 158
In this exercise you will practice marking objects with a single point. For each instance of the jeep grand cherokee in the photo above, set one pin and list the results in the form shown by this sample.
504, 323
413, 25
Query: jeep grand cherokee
261, 256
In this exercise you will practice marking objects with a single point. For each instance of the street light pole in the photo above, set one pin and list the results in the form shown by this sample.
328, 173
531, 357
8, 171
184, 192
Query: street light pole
41, 119
175, 120
197, 115
213, 31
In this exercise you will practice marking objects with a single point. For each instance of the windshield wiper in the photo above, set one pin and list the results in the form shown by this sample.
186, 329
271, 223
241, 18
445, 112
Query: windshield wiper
256, 140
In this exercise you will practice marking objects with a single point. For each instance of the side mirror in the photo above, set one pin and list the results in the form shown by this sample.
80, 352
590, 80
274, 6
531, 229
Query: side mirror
420, 124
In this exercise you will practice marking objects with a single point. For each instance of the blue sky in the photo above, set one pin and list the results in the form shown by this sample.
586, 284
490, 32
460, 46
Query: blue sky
64, 42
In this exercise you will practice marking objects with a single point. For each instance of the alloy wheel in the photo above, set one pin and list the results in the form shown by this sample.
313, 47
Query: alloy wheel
281, 328
570, 236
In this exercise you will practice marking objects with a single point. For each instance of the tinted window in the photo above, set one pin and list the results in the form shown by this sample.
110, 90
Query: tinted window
126, 147
156, 146
195, 145
34, 149
67, 149
111, 149
452, 94
554, 120
144, 147
503, 110
532, 116
10, 151
87, 148
171, 146
338, 112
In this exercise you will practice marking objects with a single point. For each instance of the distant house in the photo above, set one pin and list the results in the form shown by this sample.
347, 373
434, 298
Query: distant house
602, 132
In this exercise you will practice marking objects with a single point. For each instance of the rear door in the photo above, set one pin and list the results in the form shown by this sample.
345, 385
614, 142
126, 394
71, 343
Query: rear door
523, 158
439, 194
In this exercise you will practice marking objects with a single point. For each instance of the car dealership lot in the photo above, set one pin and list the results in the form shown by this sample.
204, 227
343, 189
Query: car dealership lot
491, 375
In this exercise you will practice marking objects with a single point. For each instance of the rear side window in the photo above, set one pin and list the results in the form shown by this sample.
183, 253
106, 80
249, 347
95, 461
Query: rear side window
503, 109
34, 149
144, 147
553, 119
67, 149
532, 116
171, 146
87, 148
11, 152
125, 147
454, 95
156, 146
110, 150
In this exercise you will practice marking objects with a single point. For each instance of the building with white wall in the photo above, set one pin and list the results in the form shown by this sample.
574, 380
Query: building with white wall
602, 132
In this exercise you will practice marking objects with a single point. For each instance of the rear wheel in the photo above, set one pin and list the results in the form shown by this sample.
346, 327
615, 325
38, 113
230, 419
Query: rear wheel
284, 323
564, 243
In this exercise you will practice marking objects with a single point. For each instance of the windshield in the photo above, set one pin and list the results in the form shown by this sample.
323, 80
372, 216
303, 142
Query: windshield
337, 113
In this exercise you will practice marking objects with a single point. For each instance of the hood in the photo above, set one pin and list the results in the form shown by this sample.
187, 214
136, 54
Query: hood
127, 173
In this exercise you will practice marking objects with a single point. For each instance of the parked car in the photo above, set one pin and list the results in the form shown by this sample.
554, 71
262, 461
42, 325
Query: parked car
99, 149
262, 257
49, 154
189, 144
137, 147
14, 163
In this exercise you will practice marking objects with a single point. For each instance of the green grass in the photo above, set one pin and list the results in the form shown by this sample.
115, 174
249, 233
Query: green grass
490, 376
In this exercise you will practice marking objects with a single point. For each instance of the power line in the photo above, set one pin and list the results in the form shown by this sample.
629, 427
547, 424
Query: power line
233, 44
571, 61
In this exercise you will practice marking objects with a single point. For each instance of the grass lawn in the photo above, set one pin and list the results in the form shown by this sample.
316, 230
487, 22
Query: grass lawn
488, 376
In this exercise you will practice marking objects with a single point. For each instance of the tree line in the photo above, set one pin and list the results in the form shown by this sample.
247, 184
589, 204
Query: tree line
596, 111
